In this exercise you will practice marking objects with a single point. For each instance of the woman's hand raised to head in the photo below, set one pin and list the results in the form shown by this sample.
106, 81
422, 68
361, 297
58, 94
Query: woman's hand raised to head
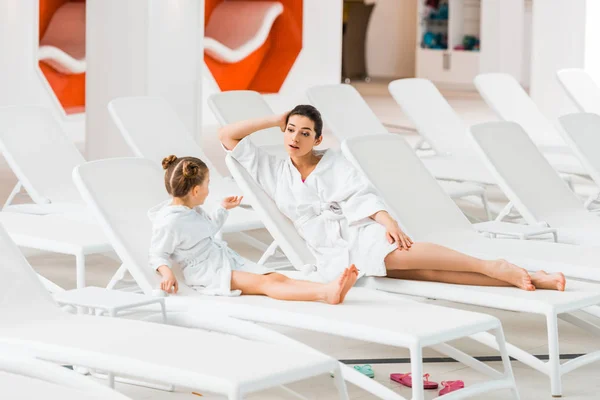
282, 121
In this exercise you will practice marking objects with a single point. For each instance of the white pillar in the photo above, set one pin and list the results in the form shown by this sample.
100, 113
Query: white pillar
558, 41
502, 49
141, 48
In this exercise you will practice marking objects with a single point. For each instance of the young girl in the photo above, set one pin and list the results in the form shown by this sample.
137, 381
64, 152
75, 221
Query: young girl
185, 233
344, 221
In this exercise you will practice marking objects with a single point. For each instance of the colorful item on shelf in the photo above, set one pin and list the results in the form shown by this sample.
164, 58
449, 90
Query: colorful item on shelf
434, 40
470, 43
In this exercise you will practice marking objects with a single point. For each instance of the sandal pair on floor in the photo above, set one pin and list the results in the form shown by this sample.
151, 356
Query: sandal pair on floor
449, 386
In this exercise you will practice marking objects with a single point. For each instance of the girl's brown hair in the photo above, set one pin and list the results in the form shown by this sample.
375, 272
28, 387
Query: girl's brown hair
182, 174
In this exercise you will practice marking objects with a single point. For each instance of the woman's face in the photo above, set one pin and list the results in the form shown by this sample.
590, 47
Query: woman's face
300, 136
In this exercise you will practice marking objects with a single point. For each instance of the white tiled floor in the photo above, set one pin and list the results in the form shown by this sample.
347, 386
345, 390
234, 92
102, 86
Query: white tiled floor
524, 331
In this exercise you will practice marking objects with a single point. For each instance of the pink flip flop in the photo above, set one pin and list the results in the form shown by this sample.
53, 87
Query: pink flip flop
406, 380
451, 386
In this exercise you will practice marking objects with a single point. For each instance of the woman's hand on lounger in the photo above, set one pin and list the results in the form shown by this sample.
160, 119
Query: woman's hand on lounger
169, 283
231, 202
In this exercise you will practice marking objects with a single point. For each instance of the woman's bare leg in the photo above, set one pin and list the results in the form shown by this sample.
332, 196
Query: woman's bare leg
429, 256
456, 277
281, 287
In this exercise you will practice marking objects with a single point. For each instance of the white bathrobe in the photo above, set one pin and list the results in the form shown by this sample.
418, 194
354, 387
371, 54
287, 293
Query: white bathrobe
187, 236
331, 209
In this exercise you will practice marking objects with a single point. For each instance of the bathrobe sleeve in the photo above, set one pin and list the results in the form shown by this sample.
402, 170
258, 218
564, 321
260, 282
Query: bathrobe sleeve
261, 165
218, 218
162, 246
359, 198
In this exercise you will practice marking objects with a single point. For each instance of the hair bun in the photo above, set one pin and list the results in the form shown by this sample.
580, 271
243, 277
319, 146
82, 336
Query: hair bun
190, 169
168, 161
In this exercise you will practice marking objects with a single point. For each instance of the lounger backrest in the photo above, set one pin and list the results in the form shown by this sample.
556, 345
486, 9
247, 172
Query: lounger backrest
280, 227
119, 192
524, 174
509, 101
344, 110
152, 129
582, 134
581, 88
410, 192
433, 117
239, 105
39, 153
22, 295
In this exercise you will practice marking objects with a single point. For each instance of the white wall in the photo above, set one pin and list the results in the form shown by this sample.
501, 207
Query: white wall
391, 39
502, 49
558, 34
137, 48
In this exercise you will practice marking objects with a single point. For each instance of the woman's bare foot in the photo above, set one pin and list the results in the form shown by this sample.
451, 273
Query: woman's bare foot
334, 289
543, 280
510, 273
352, 277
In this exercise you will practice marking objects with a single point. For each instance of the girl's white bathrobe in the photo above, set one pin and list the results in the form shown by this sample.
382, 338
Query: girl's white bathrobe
187, 236
331, 209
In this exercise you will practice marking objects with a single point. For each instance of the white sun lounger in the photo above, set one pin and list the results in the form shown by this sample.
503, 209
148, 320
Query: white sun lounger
367, 315
505, 96
153, 130
202, 361
581, 88
535, 188
422, 218
348, 115
581, 133
443, 129
238, 105
25, 378
43, 157
427, 214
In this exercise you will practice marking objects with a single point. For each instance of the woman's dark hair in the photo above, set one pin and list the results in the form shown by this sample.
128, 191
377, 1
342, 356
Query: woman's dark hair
182, 174
311, 113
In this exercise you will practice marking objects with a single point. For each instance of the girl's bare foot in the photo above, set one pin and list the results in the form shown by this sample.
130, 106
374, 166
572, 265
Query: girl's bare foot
334, 289
543, 280
352, 277
510, 273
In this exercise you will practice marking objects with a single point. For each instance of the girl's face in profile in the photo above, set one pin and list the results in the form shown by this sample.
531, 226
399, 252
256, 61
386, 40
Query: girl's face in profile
300, 136
199, 193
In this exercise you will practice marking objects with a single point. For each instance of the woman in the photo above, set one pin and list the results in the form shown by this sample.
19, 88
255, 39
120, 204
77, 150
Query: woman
344, 222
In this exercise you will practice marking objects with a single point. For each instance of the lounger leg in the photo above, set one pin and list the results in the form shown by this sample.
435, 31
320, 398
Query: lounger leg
340, 384
80, 262
592, 199
12, 195
554, 355
504, 212
486, 206
508, 372
268, 253
117, 277
416, 368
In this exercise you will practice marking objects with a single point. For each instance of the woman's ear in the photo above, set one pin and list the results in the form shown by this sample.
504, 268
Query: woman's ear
318, 140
